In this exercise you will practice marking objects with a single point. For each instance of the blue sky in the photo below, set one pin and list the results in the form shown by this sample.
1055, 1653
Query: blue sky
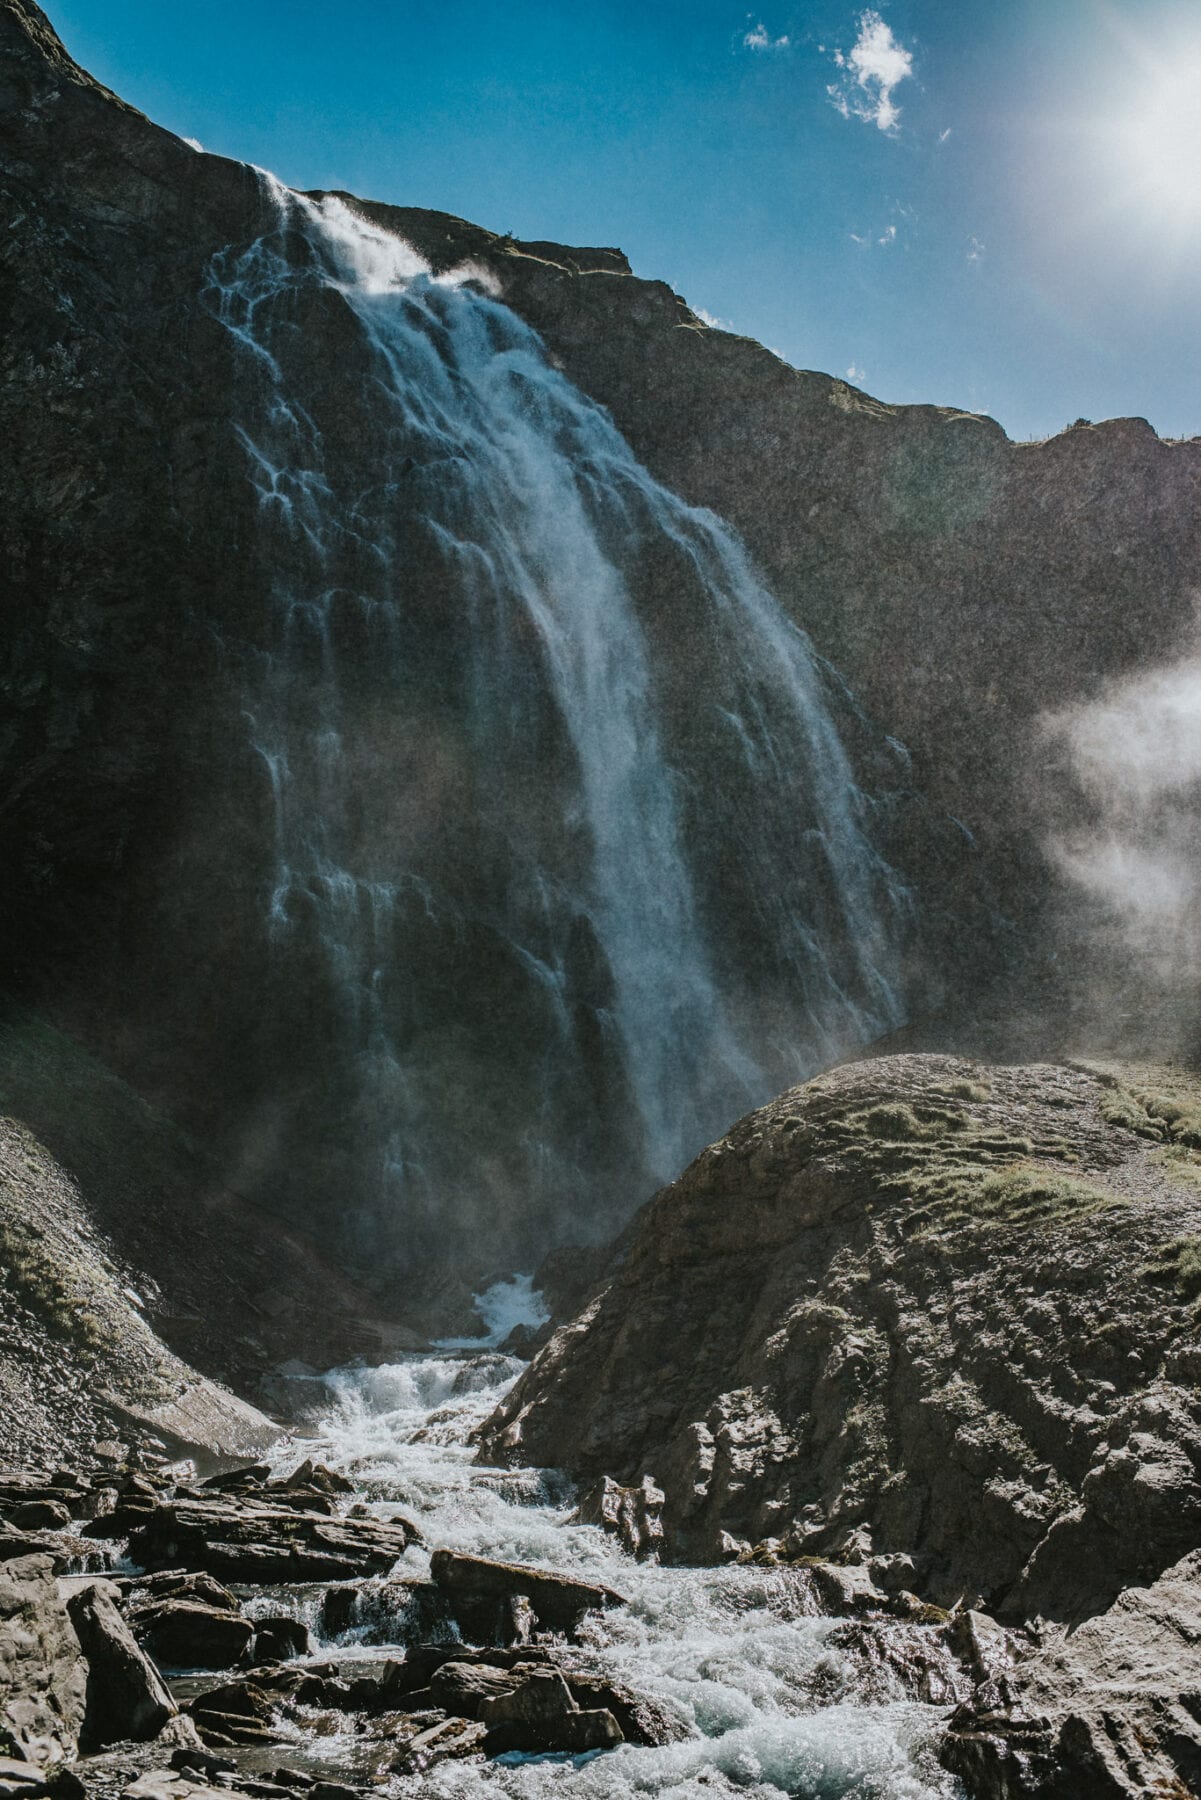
992, 207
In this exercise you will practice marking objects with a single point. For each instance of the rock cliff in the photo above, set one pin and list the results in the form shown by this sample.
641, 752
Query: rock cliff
959, 582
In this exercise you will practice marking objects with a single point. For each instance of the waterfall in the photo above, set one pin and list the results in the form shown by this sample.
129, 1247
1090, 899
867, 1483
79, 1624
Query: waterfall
564, 824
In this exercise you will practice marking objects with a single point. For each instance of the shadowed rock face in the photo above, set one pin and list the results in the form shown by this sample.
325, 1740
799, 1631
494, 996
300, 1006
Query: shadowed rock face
958, 581
919, 1308
1110, 1709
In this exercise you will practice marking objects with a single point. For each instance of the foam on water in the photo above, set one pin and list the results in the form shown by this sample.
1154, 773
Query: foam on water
502, 1308
775, 1707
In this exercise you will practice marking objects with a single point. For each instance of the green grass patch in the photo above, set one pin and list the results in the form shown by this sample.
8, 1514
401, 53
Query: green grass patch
63, 1297
1177, 1264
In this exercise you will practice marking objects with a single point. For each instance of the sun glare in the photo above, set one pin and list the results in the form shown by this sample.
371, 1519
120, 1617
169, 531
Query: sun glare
1159, 146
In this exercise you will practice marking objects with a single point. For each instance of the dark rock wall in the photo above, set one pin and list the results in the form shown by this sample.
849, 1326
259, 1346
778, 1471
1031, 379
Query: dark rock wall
958, 582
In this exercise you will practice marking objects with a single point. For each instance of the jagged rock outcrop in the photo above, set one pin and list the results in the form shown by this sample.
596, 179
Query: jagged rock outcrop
43, 1675
1112, 1709
917, 1309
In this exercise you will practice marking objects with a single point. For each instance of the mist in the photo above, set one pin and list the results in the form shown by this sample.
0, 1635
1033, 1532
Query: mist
1128, 837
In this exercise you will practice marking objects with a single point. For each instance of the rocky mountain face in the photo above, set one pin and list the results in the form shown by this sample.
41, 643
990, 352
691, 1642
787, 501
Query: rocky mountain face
174, 583
927, 1325
132, 1281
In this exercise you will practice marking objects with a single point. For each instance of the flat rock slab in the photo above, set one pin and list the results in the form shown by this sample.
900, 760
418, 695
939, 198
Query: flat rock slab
207, 1423
482, 1593
21, 1780
250, 1542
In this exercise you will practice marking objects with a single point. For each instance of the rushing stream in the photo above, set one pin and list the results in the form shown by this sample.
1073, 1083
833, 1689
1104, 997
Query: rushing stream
775, 1708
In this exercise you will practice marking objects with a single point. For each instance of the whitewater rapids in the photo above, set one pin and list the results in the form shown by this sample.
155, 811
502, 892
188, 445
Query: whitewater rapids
775, 1707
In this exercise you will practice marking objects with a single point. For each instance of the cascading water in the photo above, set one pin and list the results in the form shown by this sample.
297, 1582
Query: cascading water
563, 821
770, 1700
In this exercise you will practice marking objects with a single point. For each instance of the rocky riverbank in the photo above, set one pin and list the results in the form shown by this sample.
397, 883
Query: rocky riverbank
277, 1630
884, 1423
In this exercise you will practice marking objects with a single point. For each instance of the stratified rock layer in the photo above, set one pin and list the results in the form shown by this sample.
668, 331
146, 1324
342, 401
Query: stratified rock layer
921, 1314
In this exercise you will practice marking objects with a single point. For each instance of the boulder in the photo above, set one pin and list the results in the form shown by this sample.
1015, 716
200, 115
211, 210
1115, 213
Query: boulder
459, 1687
41, 1515
446, 1740
253, 1542
482, 1593
312, 1474
43, 1675
1111, 1710
187, 1634
643, 1720
539, 1713
125, 1695
633, 1515
278, 1638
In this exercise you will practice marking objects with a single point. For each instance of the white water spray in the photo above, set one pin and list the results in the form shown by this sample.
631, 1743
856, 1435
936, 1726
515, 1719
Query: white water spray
675, 832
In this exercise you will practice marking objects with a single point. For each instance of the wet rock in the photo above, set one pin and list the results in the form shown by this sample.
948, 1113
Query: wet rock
41, 1515
236, 1713
187, 1634
633, 1515
1111, 1709
312, 1474
337, 1611
844, 1591
181, 1584
43, 1675
251, 1543
125, 1696
279, 1638
642, 1719
459, 1687
447, 1740
541, 1714
481, 1593
239, 1480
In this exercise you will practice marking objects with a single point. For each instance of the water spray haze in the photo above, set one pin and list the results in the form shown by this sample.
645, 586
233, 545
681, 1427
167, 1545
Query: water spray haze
1132, 845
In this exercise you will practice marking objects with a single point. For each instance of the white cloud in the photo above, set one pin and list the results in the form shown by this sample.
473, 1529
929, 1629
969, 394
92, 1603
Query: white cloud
711, 319
975, 250
873, 69
760, 38
855, 373
944, 135
194, 144
890, 235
